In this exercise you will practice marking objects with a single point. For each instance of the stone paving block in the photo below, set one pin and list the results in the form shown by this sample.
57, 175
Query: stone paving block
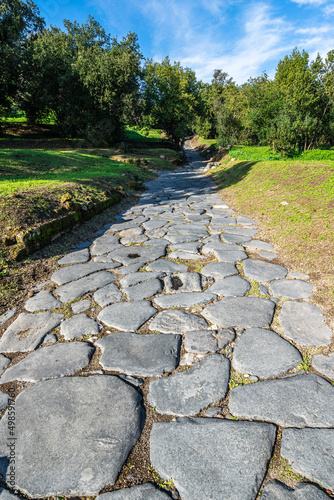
183, 282
207, 341
181, 238
192, 246
219, 270
145, 491
107, 295
268, 255
235, 238
233, 286
189, 392
141, 355
78, 288
185, 256
127, 316
291, 289
189, 299
83, 439
264, 354
134, 240
310, 453
81, 306
263, 271
241, 230
6, 495
70, 273
230, 256
242, 219
135, 231
130, 269
246, 312
144, 290
4, 362
259, 245
79, 326
305, 324
3, 400
42, 301
8, 315
135, 278
212, 458
27, 332
324, 364
105, 245
50, 362
177, 321
299, 276
76, 257
299, 401
155, 223
278, 491
135, 255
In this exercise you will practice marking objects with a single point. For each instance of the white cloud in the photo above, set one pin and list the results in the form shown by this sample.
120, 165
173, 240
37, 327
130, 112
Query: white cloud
310, 2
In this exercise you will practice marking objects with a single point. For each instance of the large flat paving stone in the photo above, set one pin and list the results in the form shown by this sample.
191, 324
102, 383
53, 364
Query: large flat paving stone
233, 286
246, 312
181, 238
291, 289
167, 267
76, 257
134, 255
189, 392
141, 355
183, 282
219, 270
127, 316
305, 324
50, 362
300, 401
324, 364
235, 238
80, 287
144, 290
310, 453
177, 321
263, 271
7, 495
107, 295
135, 278
79, 326
207, 341
212, 458
70, 273
184, 299
8, 315
260, 245
141, 492
4, 362
69, 439
304, 491
105, 245
192, 247
28, 331
185, 256
264, 354
42, 301
241, 230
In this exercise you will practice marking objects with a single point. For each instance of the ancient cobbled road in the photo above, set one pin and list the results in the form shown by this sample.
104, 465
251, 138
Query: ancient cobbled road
175, 269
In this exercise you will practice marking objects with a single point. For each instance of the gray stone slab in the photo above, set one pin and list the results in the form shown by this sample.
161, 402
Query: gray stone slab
4, 362
218, 221
177, 321
241, 230
135, 278
106, 259
264, 354
141, 355
83, 438
305, 324
235, 238
6, 495
185, 256
242, 219
145, 491
80, 287
50, 362
156, 233
135, 231
291, 289
130, 269
108, 295
51, 338
144, 290
190, 299
8, 315
304, 491
207, 341
213, 412
299, 276
213, 245
263, 271
246, 312
192, 246
134, 240
3, 400
83, 245
127, 316
260, 245
155, 223
189, 392
268, 255
233, 286
310, 453
42, 301
300, 401
67, 274
230, 256
76, 257
134, 255
81, 306
219, 270
79, 326
27, 332
212, 458
324, 364
183, 282
105, 245
181, 238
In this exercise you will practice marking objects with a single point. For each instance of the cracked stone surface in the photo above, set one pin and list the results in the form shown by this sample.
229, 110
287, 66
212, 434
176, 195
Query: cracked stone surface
86, 438
127, 316
79, 326
207, 341
177, 321
80, 287
70, 273
189, 392
303, 491
212, 458
184, 299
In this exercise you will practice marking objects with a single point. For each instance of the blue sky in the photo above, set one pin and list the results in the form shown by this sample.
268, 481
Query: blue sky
243, 38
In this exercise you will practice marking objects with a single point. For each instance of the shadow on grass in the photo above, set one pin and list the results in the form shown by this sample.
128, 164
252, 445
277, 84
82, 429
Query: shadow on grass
229, 176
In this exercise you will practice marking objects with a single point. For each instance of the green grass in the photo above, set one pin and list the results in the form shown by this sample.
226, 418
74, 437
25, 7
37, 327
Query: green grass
257, 153
143, 135
209, 142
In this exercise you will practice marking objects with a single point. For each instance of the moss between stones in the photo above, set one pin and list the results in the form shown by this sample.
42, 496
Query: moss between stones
29, 241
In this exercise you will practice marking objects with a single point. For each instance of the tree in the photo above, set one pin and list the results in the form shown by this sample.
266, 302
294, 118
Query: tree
170, 94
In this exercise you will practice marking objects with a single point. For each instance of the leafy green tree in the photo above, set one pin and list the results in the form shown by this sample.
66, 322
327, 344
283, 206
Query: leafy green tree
170, 94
